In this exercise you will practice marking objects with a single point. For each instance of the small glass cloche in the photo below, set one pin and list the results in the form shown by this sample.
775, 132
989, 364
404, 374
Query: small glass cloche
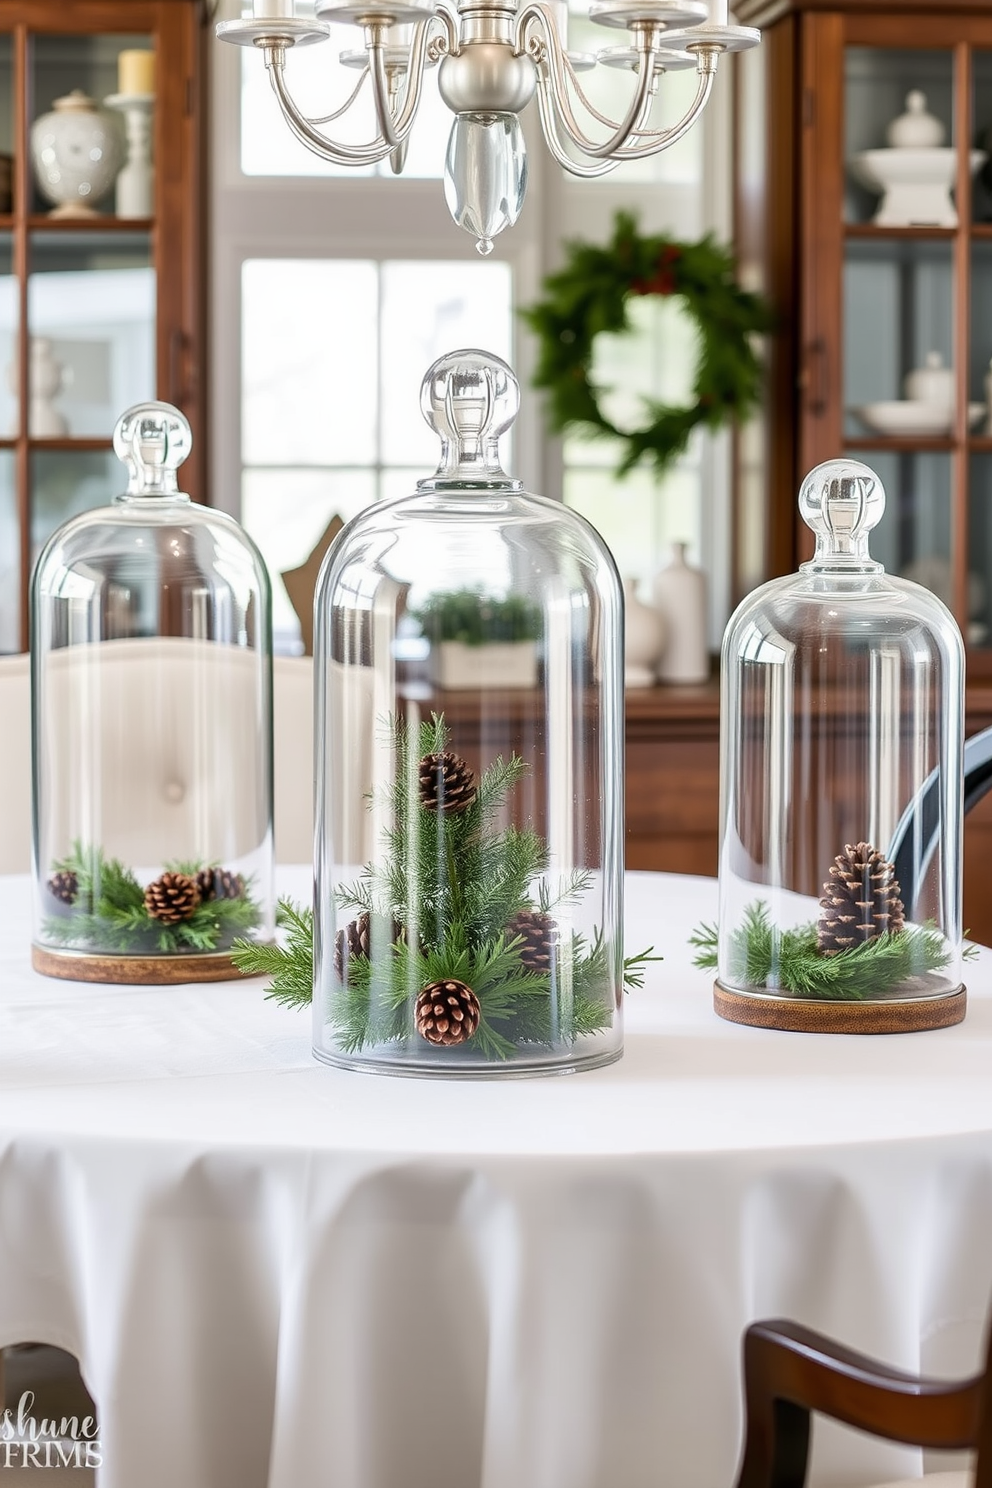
152, 732
469, 813
841, 788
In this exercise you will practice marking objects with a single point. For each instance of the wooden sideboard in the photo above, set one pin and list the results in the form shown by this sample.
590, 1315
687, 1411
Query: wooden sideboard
673, 783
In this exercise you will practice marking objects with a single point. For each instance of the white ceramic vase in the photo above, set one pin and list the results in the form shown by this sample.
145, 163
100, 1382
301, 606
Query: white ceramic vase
680, 597
644, 637
76, 151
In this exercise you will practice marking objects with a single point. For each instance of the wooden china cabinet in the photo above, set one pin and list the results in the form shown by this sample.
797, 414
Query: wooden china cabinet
105, 309
861, 303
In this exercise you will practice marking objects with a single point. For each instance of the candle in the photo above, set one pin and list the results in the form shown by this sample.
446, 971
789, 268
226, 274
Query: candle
718, 13
136, 72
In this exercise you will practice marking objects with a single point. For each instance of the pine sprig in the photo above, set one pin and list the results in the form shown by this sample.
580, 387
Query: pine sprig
790, 961
109, 912
444, 888
290, 965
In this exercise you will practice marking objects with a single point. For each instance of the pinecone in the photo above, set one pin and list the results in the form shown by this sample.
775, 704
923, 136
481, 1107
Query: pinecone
64, 886
540, 936
172, 898
446, 782
860, 900
356, 940
447, 1012
219, 883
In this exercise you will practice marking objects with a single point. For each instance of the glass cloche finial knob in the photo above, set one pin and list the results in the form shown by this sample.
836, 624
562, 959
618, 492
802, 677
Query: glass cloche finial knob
470, 398
152, 440
842, 500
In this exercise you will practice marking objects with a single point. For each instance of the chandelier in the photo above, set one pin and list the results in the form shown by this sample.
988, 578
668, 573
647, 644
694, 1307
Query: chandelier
492, 56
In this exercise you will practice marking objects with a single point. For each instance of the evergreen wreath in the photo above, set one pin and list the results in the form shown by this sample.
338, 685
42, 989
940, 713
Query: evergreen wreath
482, 936
100, 905
591, 296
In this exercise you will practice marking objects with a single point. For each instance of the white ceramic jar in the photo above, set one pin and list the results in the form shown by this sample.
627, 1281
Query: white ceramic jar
916, 129
77, 150
933, 383
680, 595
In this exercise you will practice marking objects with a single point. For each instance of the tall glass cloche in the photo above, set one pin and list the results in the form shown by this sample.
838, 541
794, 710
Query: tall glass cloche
152, 729
469, 714
841, 788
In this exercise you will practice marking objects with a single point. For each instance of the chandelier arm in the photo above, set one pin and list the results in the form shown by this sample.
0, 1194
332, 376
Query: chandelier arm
553, 60
300, 126
551, 127
338, 113
395, 130
661, 139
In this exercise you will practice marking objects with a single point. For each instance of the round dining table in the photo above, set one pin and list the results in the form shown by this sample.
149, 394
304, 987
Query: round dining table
278, 1273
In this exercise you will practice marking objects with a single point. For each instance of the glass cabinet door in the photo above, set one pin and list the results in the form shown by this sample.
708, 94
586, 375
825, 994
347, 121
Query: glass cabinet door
100, 268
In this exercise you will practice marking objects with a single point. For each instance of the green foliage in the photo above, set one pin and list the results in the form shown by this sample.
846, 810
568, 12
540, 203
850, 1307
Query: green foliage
291, 965
590, 296
109, 912
766, 959
471, 877
478, 619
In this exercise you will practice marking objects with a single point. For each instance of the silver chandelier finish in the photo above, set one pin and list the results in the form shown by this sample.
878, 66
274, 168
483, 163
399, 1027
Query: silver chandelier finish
493, 59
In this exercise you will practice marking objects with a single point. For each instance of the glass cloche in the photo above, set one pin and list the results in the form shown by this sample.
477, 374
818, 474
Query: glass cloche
469, 811
841, 788
152, 764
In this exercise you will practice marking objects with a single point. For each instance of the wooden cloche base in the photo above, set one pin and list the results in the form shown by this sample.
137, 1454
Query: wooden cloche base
803, 1015
74, 966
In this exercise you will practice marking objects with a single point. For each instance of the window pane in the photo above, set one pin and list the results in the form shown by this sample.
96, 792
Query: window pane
429, 309
640, 516
286, 511
309, 390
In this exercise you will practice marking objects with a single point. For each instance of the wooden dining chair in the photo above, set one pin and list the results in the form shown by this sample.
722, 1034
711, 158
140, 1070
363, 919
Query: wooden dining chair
790, 1372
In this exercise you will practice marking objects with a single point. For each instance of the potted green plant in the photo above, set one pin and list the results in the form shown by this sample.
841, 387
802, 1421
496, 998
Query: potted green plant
479, 640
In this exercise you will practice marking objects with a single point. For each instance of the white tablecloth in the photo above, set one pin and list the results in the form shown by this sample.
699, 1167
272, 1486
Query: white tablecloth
278, 1273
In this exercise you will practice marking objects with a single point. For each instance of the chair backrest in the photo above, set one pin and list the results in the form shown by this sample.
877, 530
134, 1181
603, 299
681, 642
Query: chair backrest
915, 838
293, 754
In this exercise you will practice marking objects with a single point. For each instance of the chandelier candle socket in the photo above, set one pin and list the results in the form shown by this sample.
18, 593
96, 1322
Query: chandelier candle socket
492, 59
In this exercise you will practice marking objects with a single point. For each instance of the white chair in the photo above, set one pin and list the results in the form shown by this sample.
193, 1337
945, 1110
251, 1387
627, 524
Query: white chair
293, 745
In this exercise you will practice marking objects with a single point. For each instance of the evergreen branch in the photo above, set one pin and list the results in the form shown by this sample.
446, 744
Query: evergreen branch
634, 969
290, 966
109, 913
766, 959
706, 939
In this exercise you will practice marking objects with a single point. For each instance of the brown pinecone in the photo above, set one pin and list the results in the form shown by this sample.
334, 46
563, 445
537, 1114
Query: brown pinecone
356, 940
540, 936
64, 886
860, 900
219, 883
446, 782
172, 898
447, 1012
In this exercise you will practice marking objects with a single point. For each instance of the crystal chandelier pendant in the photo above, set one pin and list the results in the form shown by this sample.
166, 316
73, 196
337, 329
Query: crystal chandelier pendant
485, 174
